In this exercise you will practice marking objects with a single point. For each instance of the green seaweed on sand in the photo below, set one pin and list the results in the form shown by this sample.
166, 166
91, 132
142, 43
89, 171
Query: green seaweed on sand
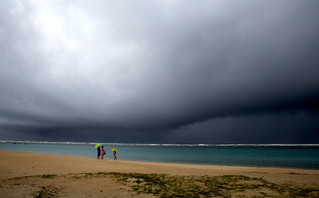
46, 192
46, 176
162, 185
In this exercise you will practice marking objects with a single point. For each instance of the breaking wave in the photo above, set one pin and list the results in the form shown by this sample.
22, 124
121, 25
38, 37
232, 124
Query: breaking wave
166, 145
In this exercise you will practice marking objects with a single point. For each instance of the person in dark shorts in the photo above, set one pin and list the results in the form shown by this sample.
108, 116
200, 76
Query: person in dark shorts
103, 152
98, 152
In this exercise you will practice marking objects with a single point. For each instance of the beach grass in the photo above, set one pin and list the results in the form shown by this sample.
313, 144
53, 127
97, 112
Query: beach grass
47, 192
46, 176
164, 185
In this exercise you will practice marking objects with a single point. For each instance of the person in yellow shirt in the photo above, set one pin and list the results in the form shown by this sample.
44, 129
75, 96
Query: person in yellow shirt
114, 153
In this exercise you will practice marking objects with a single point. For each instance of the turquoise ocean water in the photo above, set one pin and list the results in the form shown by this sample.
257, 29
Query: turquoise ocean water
285, 156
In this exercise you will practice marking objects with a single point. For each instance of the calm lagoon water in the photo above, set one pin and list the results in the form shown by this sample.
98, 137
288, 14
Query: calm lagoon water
285, 156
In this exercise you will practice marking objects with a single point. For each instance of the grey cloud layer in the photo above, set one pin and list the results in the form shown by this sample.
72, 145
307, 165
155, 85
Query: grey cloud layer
155, 65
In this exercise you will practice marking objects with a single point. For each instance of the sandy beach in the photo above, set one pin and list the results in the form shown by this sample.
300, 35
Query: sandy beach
41, 175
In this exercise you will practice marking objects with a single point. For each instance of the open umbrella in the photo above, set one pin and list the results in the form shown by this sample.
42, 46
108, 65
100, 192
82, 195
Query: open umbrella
115, 150
97, 145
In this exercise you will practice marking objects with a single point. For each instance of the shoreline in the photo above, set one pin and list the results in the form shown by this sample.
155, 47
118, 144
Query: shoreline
163, 162
169, 163
21, 166
64, 160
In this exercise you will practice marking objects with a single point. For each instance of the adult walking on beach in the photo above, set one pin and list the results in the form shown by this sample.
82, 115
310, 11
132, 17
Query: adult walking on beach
98, 152
103, 152
114, 153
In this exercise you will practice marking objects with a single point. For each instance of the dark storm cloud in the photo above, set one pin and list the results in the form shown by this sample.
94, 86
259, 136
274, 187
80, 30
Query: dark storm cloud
151, 67
279, 128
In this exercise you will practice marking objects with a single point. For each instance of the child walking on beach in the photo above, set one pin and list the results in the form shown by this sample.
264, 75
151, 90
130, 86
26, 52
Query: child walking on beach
103, 152
114, 153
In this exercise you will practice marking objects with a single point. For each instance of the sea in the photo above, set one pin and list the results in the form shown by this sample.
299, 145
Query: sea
300, 156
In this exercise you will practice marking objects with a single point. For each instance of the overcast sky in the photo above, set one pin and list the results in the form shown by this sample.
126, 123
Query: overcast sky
170, 71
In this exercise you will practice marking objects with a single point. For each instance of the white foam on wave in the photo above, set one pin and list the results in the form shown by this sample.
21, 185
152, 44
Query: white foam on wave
159, 145
41, 142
